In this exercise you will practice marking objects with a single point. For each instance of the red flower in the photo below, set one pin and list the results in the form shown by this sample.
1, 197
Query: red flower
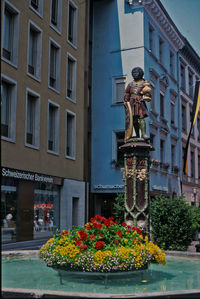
138, 230
97, 225
133, 227
115, 241
124, 224
64, 232
88, 226
101, 235
99, 244
119, 233
83, 246
91, 237
82, 235
78, 242
134, 240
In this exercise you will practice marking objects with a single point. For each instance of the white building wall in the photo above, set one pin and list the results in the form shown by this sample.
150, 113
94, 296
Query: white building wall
72, 190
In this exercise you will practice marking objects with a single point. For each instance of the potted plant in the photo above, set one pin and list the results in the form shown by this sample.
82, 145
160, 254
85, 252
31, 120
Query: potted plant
102, 246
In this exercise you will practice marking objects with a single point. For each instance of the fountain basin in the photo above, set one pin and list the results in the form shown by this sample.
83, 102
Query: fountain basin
24, 273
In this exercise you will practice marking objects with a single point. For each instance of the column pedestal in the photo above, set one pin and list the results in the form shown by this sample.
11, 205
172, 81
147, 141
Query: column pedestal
136, 161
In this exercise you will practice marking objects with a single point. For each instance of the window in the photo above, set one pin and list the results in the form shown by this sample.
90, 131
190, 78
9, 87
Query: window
53, 127
172, 63
119, 89
32, 119
8, 108
162, 148
70, 134
10, 34
182, 74
71, 78
192, 174
190, 83
56, 14
72, 23
199, 166
54, 66
173, 155
184, 120
151, 38
172, 113
161, 50
198, 128
152, 98
161, 105
37, 6
119, 152
192, 133
34, 51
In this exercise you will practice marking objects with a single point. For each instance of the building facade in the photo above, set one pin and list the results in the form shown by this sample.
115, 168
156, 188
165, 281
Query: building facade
44, 115
189, 70
127, 34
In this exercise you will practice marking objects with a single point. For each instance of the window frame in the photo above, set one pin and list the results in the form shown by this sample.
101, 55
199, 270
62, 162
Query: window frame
73, 43
36, 144
38, 59
118, 80
58, 26
13, 107
73, 135
39, 10
56, 140
15, 40
57, 64
74, 75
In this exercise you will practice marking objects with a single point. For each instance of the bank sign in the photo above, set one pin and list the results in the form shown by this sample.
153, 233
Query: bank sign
30, 176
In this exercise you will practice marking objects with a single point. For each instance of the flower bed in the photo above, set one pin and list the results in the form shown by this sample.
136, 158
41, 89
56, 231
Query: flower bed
102, 245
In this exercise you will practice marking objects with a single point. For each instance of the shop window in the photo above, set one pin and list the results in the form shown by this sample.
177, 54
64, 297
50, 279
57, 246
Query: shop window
70, 135
72, 23
46, 210
56, 14
8, 209
54, 65
32, 119
71, 78
53, 127
8, 108
10, 34
34, 51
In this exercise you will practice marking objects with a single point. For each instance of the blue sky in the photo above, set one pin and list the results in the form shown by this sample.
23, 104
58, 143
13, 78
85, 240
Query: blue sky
186, 16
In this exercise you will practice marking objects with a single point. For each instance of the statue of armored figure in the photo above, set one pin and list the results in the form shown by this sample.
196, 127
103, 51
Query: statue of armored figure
137, 93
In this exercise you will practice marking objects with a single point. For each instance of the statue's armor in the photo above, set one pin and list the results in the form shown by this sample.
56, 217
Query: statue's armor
135, 97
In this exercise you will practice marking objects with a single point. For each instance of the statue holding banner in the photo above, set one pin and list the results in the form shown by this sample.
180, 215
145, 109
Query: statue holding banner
137, 93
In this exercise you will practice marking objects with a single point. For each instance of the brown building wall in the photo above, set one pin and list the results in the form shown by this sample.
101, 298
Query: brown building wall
17, 155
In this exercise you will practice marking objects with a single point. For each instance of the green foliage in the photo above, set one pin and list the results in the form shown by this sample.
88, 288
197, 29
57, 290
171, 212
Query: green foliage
173, 222
119, 208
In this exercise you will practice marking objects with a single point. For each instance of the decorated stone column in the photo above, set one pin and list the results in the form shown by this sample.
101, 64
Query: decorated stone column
137, 151
136, 161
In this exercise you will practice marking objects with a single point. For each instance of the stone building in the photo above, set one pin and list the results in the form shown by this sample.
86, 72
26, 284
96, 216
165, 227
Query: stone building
44, 115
